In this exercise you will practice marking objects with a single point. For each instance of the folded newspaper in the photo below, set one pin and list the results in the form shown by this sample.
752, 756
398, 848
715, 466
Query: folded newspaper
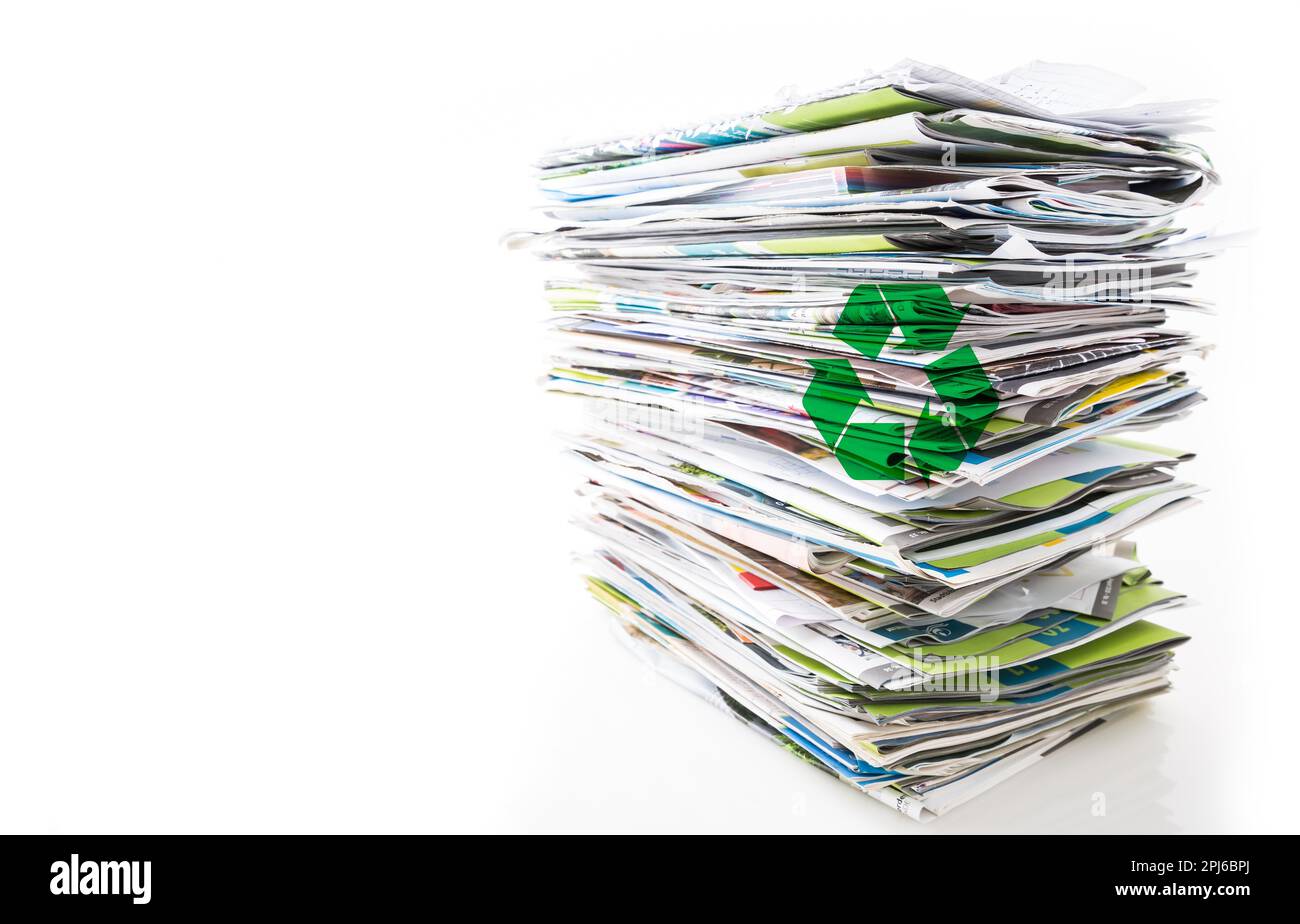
865, 372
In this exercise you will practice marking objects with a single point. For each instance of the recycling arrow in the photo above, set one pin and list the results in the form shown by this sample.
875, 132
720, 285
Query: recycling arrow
917, 317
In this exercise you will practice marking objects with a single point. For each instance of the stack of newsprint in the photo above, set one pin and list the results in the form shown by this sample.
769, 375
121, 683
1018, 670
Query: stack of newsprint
868, 369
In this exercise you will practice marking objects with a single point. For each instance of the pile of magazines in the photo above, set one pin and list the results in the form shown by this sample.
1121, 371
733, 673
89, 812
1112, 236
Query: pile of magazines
868, 375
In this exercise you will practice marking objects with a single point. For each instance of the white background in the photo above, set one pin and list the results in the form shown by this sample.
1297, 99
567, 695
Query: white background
282, 541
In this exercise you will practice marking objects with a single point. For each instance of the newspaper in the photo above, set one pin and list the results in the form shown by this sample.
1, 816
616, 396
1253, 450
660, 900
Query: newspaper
866, 374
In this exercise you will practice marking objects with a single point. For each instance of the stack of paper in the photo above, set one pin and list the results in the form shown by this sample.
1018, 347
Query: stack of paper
861, 366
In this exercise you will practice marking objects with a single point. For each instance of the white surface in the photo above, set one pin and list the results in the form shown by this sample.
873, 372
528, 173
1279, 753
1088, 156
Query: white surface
281, 541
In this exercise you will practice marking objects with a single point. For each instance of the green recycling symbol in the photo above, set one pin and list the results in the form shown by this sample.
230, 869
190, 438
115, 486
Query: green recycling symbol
941, 436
